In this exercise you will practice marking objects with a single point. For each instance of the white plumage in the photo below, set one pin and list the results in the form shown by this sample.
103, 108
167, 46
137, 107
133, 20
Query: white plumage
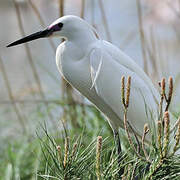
95, 67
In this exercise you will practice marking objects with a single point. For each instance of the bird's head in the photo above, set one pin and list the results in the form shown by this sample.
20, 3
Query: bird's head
69, 27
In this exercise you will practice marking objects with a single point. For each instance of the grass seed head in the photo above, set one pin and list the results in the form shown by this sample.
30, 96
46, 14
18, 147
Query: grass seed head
166, 133
66, 150
123, 90
163, 86
170, 88
98, 156
128, 88
159, 137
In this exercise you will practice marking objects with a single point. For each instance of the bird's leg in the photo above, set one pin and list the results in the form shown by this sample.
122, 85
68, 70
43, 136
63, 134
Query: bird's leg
119, 151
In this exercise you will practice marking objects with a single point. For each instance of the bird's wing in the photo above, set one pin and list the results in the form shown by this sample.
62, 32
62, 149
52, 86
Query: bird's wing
95, 66
106, 73
123, 59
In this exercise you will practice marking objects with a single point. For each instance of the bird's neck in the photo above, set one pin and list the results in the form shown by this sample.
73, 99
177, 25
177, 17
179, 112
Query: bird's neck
82, 39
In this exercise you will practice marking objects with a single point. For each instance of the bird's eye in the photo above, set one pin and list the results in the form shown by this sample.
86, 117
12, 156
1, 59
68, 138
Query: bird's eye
60, 25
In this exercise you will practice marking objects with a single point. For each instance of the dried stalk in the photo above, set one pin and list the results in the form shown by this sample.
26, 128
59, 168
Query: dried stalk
104, 18
66, 88
11, 97
30, 59
82, 16
92, 13
36, 11
82, 9
61, 8
153, 54
142, 34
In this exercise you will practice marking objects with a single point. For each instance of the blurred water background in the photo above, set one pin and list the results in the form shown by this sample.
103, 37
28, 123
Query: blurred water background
147, 31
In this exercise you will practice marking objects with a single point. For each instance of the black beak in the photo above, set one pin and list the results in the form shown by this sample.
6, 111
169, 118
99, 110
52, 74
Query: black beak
37, 35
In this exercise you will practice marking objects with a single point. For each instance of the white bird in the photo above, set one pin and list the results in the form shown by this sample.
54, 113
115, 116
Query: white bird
94, 67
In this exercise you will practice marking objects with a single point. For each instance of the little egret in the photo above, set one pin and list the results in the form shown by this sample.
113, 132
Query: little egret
95, 67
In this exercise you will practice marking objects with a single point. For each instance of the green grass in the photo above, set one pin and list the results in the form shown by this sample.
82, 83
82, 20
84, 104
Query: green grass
23, 157
84, 149
71, 154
